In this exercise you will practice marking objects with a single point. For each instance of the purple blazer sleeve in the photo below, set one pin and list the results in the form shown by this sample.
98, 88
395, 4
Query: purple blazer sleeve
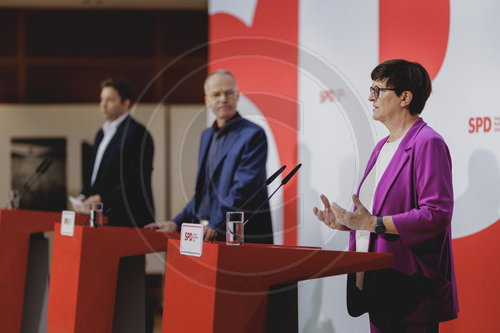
433, 194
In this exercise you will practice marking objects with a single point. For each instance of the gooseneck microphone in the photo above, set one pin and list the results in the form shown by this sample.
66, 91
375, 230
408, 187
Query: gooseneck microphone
40, 170
267, 182
283, 182
290, 175
274, 175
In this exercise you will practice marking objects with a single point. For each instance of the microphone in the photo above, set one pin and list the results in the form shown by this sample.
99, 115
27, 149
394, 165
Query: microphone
267, 182
291, 174
43, 166
40, 170
283, 182
274, 175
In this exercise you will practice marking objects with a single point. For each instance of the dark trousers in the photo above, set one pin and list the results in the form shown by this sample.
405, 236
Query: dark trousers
399, 327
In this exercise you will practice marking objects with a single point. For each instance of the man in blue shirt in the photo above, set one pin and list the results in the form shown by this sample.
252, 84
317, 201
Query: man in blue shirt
231, 167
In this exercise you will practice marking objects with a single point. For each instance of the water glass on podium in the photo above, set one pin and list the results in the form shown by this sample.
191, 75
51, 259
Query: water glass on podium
234, 228
14, 199
96, 214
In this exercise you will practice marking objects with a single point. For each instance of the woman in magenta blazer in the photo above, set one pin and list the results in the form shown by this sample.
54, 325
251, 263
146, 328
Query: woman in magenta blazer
404, 207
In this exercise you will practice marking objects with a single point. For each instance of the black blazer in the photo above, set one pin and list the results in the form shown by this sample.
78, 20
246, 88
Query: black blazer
124, 177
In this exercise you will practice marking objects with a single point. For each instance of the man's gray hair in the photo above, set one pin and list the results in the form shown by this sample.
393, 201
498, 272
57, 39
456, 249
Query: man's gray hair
219, 71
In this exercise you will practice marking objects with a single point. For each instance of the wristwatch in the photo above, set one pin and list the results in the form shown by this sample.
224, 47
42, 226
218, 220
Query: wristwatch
380, 227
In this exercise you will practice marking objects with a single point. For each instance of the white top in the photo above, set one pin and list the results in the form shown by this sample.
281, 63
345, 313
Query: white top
367, 190
109, 128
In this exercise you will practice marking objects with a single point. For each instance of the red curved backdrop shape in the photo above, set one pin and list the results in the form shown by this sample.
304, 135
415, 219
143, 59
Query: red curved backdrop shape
477, 269
264, 59
416, 30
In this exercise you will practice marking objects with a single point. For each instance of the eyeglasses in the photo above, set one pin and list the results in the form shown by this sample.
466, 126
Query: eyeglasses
227, 94
376, 91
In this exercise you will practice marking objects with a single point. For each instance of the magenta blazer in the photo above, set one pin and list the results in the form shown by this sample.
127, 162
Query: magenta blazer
416, 190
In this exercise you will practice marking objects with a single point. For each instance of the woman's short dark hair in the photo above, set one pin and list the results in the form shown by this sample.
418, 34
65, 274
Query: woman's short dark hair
403, 75
122, 87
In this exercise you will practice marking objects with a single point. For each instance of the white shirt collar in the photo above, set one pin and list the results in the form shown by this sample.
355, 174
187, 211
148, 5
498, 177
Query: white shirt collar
113, 125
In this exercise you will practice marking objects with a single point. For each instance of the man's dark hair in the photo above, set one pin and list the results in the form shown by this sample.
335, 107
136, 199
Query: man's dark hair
122, 87
403, 75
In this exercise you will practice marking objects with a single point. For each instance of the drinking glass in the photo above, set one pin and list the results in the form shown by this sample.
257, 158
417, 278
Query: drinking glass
14, 199
234, 228
96, 215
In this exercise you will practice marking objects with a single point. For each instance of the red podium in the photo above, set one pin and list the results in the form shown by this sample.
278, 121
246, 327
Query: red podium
16, 227
84, 274
227, 288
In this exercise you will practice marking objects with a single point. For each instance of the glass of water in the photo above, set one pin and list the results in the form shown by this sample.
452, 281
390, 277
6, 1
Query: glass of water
234, 228
96, 214
14, 199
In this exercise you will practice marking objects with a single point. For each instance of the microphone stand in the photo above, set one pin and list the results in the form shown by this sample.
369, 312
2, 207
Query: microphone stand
283, 182
40, 170
267, 182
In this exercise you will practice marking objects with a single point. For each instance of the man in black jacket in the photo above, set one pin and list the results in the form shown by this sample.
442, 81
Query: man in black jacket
122, 162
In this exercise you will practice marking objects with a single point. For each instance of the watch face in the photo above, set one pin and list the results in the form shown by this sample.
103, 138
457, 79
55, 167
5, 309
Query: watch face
379, 229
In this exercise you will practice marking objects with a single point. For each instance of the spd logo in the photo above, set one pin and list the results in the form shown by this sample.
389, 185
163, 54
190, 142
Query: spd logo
484, 124
190, 237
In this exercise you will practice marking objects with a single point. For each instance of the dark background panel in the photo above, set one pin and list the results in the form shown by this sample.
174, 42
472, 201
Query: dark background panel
184, 31
183, 81
81, 84
8, 84
90, 33
8, 32
61, 56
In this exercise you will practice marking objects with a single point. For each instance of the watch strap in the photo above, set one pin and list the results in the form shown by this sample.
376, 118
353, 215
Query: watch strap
380, 227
